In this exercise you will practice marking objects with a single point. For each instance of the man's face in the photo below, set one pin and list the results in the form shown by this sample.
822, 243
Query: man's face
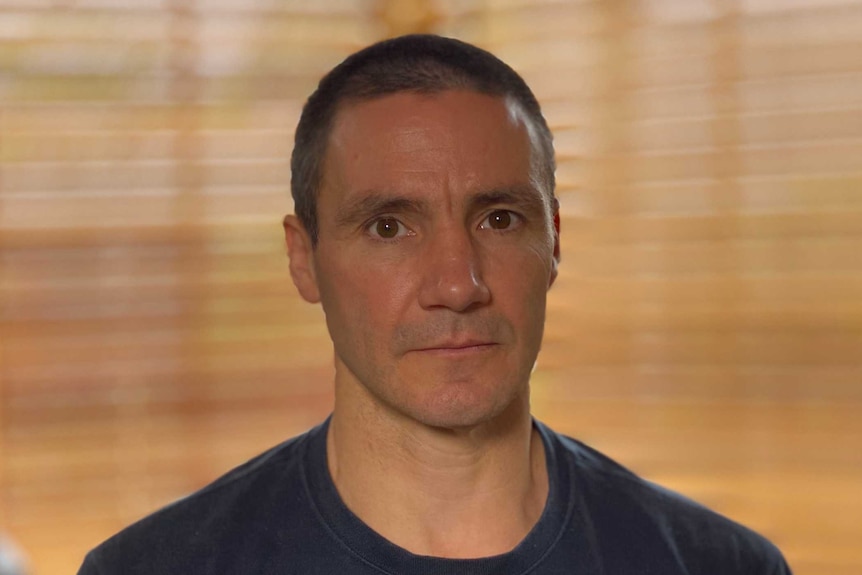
436, 250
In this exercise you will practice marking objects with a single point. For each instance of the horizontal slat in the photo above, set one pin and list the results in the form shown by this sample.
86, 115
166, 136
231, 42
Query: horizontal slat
805, 128
819, 22
802, 64
95, 146
163, 87
826, 350
162, 234
715, 288
137, 175
741, 257
121, 8
64, 117
803, 316
100, 267
705, 197
806, 93
703, 384
812, 158
801, 58
824, 431
813, 94
658, 227
506, 32
752, 29
250, 354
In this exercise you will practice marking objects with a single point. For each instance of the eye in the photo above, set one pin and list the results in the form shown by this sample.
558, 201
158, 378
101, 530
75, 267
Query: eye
500, 220
387, 228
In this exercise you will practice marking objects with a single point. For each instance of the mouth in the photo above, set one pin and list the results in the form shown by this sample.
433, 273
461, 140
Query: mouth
459, 348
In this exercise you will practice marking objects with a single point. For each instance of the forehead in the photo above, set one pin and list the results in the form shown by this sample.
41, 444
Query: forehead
462, 137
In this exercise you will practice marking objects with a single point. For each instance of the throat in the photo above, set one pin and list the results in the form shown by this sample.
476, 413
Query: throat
438, 500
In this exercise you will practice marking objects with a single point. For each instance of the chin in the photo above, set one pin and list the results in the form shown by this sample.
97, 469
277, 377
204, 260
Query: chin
462, 408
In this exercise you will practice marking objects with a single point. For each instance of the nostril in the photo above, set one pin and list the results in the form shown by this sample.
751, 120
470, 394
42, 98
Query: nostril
458, 286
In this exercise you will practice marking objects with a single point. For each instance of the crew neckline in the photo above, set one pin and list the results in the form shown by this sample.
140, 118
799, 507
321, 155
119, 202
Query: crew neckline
378, 552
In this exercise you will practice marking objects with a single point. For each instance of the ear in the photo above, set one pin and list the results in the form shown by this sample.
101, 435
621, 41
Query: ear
555, 263
301, 255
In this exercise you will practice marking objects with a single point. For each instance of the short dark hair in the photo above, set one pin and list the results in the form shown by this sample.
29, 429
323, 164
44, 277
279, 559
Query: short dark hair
418, 63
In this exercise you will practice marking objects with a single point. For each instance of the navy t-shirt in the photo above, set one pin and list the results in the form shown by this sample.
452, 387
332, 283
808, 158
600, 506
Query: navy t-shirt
280, 513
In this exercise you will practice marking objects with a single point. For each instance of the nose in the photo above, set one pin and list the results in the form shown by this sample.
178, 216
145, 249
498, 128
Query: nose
452, 273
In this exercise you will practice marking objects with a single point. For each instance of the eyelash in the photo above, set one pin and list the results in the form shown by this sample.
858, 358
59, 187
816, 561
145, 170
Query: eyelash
403, 231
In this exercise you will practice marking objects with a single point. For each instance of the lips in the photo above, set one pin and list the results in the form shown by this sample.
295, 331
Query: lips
459, 346
438, 335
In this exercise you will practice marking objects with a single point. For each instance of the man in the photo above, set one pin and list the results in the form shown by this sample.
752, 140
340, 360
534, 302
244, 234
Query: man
426, 226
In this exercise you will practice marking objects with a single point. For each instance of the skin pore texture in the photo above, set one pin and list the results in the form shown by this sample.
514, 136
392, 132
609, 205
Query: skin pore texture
437, 247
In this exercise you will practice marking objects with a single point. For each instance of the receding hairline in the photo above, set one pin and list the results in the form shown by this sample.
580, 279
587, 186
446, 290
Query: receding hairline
515, 110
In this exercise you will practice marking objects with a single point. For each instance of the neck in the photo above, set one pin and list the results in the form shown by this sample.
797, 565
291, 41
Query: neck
459, 493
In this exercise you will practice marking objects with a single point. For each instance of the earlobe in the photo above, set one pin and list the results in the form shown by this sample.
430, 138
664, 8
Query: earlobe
301, 255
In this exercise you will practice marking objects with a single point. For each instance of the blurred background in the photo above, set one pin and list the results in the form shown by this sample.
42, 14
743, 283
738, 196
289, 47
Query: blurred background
706, 329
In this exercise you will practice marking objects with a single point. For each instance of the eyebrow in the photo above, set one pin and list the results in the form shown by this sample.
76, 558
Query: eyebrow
525, 197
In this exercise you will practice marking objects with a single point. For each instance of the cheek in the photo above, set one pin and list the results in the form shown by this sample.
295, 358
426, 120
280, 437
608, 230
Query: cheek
361, 303
525, 270
379, 282
521, 291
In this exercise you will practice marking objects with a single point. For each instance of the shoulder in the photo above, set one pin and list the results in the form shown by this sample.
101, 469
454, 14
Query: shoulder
638, 521
209, 522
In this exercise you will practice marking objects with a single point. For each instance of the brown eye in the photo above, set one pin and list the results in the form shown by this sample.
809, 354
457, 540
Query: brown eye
500, 220
387, 228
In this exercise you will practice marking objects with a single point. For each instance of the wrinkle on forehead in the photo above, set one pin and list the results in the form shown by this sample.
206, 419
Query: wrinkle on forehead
410, 139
